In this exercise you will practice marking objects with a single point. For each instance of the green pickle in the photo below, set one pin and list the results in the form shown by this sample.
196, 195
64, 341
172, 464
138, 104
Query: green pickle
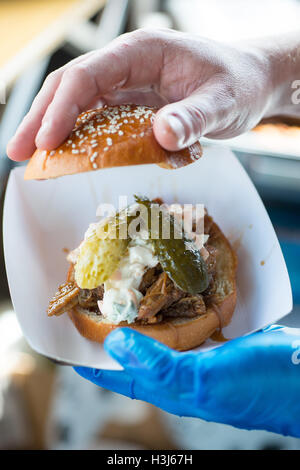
102, 251
178, 257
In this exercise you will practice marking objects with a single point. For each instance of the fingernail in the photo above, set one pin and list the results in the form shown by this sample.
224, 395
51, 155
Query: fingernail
42, 133
176, 126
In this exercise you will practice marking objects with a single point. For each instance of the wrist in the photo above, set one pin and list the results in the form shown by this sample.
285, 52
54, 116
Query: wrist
281, 57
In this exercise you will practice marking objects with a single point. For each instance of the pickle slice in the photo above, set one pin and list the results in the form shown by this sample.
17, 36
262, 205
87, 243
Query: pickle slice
102, 251
179, 257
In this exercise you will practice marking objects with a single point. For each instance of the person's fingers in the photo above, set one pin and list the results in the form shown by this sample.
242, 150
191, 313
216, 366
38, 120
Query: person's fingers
124, 384
122, 64
116, 381
141, 356
77, 88
178, 125
22, 145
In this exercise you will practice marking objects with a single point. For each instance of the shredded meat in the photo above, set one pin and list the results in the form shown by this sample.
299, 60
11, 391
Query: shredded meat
161, 294
65, 299
149, 277
189, 307
89, 298
211, 261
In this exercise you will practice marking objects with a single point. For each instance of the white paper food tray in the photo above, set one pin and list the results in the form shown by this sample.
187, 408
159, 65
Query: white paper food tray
42, 218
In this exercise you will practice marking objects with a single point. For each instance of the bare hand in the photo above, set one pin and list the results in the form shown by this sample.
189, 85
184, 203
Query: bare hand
202, 87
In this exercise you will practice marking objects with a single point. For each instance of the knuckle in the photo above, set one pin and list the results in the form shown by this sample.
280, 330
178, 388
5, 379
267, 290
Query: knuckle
142, 34
133, 40
127, 39
197, 117
52, 77
78, 72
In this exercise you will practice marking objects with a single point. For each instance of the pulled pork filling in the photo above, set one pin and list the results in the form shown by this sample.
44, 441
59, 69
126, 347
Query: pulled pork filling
160, 297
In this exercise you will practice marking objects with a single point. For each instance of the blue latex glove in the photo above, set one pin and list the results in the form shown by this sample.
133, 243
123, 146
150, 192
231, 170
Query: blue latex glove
251, 382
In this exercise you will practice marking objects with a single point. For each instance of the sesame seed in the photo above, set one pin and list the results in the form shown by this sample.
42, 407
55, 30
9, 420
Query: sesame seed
95, 165
60, 151
107, 122
52, 153
75, 151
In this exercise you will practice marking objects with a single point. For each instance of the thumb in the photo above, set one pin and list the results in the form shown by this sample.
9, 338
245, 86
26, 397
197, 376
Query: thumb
141, 356
181, 124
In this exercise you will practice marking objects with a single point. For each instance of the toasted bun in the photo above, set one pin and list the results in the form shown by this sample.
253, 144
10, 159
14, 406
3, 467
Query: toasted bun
108, 137
179, 333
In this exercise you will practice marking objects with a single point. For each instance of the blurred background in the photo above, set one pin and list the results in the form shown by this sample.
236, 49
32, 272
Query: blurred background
43, 405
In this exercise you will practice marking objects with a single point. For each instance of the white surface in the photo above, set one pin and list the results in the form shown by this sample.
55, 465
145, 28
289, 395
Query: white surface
232, 20
42, 218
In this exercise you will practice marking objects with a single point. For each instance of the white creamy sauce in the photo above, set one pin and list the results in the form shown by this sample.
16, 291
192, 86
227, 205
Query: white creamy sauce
121, 295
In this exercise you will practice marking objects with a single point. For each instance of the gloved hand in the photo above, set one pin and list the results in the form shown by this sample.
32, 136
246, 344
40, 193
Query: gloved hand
204, 87
252, 382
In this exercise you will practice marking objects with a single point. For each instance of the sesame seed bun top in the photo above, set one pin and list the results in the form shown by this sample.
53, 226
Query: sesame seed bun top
107, 137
